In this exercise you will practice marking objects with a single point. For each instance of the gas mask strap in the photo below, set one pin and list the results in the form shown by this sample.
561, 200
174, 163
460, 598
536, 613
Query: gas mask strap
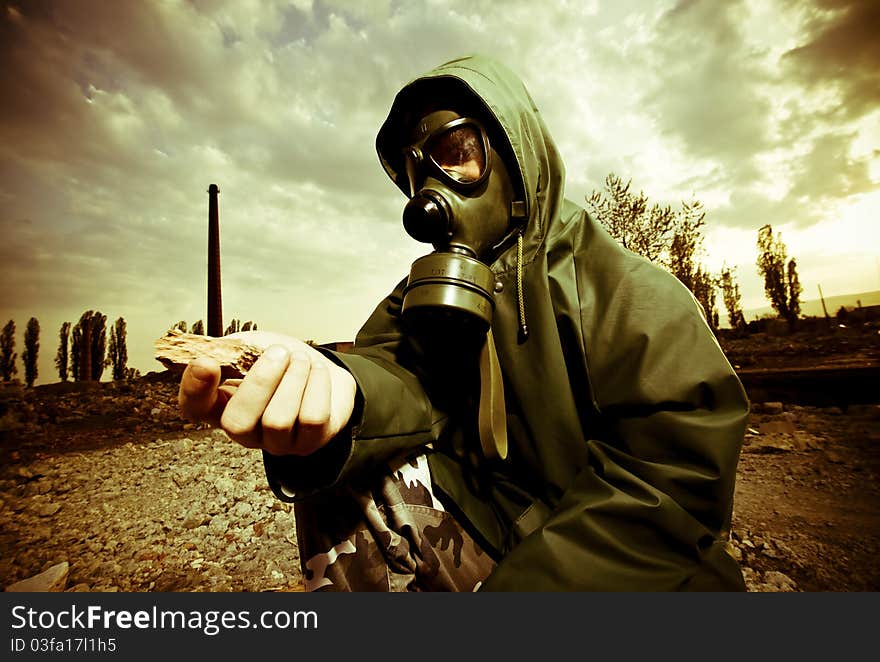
492, 416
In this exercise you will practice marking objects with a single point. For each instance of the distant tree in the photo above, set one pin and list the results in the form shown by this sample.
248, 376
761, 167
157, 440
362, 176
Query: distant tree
117, 351
657, 233
732, 299
111, 348
643, 229
771, 266
61, 357
31, 351
781, 285
89, 346
132, 373
794, 291
99, 345
670, 238
198, 328
76, 351
687, 242
7, 352
704, 291
247, 326
234, 327
82, 347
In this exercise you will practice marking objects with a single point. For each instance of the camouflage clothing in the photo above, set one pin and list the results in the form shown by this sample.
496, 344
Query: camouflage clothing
392, 536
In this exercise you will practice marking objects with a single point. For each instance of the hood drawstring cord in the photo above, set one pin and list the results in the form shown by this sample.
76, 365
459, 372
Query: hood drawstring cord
523, 327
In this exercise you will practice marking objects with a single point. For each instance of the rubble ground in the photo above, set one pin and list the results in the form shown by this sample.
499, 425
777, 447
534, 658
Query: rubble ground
807, 500
111, 481
108, 484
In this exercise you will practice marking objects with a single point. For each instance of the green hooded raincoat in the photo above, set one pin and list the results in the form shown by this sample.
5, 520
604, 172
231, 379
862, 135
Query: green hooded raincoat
625, 419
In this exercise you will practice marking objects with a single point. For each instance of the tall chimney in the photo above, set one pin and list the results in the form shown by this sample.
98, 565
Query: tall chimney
215, 302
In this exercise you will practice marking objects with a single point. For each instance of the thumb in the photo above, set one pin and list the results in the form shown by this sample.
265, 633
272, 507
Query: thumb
198, 396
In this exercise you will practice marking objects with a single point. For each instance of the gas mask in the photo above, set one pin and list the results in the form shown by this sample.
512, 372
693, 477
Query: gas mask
461, 202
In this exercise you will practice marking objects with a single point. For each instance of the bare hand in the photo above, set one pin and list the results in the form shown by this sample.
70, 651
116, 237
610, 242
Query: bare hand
291, 402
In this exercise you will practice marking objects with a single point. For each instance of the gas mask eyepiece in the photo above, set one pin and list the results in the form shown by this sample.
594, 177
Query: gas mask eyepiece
454, 151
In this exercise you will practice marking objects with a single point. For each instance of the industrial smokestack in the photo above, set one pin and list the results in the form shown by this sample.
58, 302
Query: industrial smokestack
215, 302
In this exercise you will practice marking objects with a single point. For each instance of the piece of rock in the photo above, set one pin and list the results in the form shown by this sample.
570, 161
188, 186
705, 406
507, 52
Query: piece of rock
778, 581
52, 580
193, 519
176, 349
184, 445
45, 509
769, 444
771, 408
782, 426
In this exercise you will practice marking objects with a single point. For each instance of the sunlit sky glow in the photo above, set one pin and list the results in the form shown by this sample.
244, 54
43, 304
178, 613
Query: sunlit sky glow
117, 116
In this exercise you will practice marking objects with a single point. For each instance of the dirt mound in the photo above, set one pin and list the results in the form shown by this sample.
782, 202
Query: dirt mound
816, 343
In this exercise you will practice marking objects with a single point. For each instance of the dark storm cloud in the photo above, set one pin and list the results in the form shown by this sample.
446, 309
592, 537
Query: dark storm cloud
829, 170
750, 211
298, 25
170, 75
118, 117
61, 51
706, 90
841, 48
754, 117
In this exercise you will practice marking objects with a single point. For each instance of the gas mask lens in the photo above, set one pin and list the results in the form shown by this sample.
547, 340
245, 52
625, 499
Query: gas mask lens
456, 153
460, 153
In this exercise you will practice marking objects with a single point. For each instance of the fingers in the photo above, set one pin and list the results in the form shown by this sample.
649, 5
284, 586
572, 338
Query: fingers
243, 413
312, 427
296, 419
279, 417
198, 396
283, 405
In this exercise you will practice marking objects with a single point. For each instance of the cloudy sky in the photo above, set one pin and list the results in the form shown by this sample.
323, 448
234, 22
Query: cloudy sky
116, 117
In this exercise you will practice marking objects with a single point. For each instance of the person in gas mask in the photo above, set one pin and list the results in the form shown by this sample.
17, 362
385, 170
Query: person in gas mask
533, 408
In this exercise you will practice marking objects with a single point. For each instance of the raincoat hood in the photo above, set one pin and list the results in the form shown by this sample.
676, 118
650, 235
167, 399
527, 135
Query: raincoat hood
501, 99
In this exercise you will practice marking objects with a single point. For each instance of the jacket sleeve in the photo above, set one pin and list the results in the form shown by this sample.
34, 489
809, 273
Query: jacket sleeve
651, 509
392, 412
